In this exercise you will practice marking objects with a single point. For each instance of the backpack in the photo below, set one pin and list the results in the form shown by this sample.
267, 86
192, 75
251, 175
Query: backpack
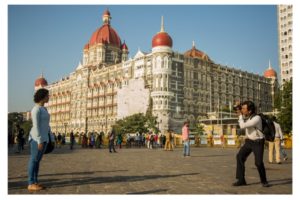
268, 127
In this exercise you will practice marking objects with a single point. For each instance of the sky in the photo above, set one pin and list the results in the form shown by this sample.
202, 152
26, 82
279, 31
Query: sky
49, 39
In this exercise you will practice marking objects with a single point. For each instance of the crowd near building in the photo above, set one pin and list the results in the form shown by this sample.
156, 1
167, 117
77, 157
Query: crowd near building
108, 85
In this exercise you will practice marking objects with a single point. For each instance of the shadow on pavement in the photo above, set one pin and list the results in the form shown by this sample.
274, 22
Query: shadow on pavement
71, 173
148, 192
57, 183
276, 182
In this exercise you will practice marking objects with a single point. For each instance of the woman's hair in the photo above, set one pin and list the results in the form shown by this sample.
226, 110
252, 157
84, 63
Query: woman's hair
40, 94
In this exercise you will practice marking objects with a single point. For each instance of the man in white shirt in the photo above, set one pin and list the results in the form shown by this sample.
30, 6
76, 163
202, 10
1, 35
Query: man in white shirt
276, 143
254, 142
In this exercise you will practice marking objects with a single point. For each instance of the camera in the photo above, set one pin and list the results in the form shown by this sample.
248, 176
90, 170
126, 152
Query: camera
237, 107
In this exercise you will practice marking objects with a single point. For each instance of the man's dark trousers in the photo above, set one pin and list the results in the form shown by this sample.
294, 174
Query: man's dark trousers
257, 147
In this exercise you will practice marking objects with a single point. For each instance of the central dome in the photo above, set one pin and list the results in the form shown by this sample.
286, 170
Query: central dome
105, 34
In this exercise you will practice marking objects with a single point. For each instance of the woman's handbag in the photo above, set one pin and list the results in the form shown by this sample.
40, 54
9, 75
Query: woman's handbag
50, 145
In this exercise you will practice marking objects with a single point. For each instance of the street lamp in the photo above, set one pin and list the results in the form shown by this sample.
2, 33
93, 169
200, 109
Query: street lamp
65, 124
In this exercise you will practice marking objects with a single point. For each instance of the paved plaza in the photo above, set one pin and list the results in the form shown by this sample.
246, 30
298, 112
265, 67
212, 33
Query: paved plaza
145, 171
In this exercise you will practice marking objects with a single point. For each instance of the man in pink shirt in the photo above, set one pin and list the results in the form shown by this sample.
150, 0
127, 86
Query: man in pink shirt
185, 139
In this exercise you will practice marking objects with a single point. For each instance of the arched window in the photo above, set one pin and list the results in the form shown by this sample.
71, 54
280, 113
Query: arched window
158, 62
166, 62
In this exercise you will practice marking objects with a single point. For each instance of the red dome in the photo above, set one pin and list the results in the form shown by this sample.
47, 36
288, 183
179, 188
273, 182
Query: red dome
124, 46
40, 82
195, 53
162, 39
86, 46
269, 73
105, 35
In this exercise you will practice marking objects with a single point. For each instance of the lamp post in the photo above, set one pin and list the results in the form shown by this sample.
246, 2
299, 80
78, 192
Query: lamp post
65, 124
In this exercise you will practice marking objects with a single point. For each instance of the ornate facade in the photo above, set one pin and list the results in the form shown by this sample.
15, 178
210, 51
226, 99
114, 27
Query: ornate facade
181, 86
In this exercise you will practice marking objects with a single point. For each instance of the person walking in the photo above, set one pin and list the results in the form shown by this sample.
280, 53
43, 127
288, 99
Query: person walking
186, 139
168, 140
20, 138
254, 142
72, 140
119, 140
277, 143
111, 137
38, 137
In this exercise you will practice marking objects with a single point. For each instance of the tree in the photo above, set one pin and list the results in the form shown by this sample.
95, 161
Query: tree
14, 119
199, 129
285, 116
136, 123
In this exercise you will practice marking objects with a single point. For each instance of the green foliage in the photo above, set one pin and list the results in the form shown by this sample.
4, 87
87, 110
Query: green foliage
285, 116
136, 123
17, 118
199, 129
26, 125
277, 100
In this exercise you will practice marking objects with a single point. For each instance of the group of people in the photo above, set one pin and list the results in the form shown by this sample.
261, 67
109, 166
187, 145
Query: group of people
248, 120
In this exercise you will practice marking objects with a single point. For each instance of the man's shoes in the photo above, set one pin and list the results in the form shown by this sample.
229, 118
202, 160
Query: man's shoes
239, 183
278, 163
265, 184
285, 159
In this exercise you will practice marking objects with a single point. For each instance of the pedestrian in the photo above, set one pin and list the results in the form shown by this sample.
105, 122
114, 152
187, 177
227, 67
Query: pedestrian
168, 145
59, 140
222, 140
97, 143
111, 137
119, 140
277, 143
20, 138
63, 139
72, 140
186, 139
38, 137
254, 142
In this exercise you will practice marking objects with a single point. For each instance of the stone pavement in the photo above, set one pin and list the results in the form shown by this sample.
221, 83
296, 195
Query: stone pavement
144, 171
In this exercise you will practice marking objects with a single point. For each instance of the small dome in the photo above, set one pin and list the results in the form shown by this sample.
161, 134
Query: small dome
124, 46
41, 81
270, 72
195, 53
87, 46
162, 38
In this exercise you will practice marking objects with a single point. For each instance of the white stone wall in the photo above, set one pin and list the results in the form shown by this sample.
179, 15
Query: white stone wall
133, 98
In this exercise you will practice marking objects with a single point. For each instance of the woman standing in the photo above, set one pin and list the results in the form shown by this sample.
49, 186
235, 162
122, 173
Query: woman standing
38, 137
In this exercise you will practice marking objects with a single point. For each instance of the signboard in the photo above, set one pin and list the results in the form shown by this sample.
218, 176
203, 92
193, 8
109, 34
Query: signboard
231, 142
204, 141
217, 141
